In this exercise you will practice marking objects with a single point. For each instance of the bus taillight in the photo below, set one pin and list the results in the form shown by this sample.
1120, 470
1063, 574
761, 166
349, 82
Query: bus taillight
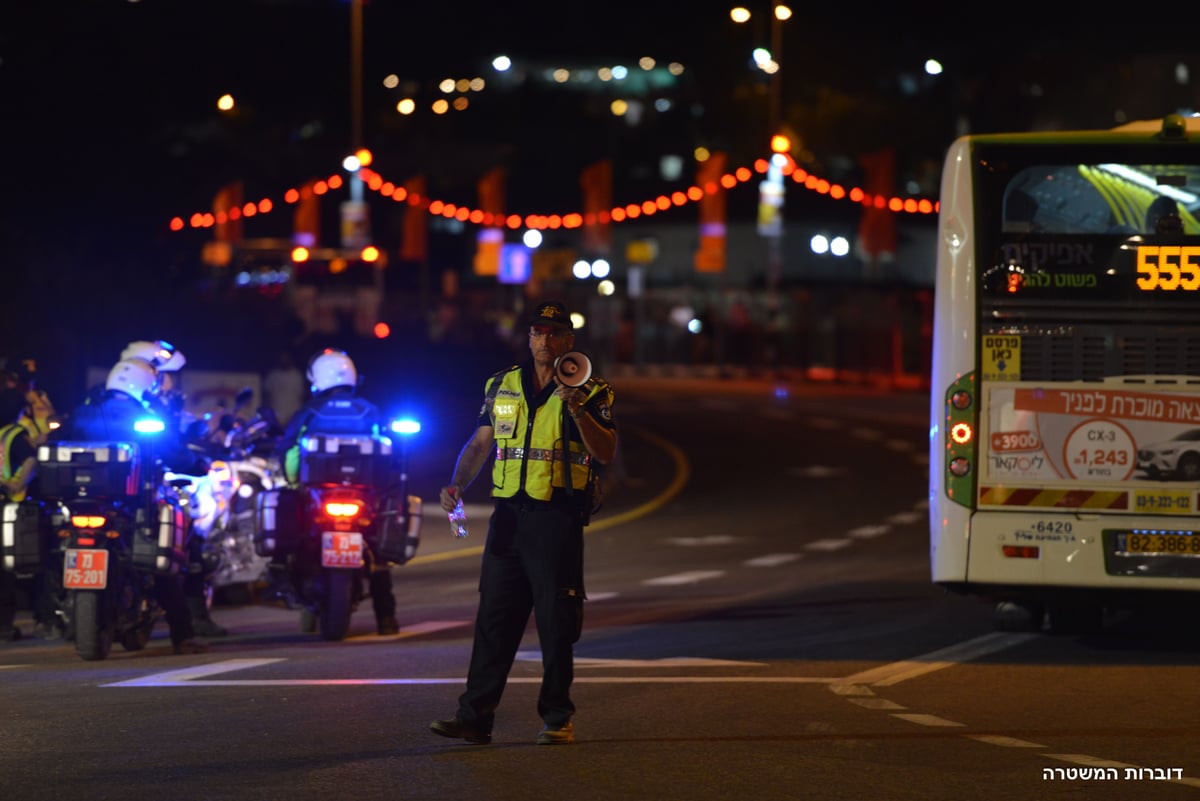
961, 433
1021, 551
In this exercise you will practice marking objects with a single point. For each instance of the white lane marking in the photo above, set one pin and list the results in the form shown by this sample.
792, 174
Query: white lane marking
904, 518
711, 539
691, 577
875, 703
896, 672
189, 674
826, 545
868, 532
669, 661
773, 559
1002, 741
925, 720
602, 596
816, 471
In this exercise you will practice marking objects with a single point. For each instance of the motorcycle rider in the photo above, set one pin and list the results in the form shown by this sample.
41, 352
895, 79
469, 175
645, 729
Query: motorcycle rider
333, 377
167, 400
127, 390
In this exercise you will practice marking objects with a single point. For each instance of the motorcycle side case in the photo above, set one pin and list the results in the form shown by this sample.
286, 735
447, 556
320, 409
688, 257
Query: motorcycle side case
399, 534
159, 544
21, 540
279, 520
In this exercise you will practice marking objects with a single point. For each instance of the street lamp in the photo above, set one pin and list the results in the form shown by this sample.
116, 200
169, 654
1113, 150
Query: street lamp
771, 191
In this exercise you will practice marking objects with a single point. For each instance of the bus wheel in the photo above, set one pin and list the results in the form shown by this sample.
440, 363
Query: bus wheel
1017, 616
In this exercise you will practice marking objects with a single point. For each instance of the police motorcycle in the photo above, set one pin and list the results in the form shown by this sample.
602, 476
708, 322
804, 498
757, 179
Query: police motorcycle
116, 524
351, 512
222, 502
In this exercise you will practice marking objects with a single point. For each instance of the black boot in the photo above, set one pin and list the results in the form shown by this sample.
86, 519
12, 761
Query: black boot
202, 622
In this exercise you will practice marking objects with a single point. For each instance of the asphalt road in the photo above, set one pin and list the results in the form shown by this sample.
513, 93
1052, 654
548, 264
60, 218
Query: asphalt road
760, 624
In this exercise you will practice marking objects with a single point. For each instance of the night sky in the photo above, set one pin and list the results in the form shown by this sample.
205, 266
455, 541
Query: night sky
110, 126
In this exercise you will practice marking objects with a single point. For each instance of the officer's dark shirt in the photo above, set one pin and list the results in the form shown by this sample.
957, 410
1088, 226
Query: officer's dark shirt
112, 419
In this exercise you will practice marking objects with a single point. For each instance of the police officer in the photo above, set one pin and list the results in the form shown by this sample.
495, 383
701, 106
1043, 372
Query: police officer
333, 378
18, 473
111, 417
166, 400
533, 558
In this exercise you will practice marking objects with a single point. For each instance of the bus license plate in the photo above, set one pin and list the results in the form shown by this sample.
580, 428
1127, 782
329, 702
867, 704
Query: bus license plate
1159, 544
85, 569
341, 549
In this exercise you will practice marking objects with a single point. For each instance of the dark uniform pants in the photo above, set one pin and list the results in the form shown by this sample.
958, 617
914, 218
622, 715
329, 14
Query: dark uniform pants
532, 561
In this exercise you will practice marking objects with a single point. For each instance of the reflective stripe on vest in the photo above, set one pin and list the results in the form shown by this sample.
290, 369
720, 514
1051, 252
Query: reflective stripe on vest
9, 435
521, 446
541, 454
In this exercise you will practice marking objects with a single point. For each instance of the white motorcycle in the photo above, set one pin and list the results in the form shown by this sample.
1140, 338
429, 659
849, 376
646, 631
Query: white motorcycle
222, 502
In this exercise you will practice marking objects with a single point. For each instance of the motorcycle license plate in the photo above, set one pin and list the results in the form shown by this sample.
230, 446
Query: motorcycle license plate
341, 549
85, 569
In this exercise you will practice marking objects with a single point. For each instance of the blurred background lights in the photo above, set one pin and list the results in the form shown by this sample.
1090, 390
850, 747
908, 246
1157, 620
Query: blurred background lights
351, 164
581, 269
501, 63
606, 288
933, 67
695, 326
600, 268
739, 14
225, 102
532, 238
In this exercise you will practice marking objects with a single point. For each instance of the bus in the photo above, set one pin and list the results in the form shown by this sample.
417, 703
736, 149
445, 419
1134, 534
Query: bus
1065, 397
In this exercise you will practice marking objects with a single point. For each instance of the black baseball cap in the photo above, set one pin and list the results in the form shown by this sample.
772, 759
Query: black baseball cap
551, 312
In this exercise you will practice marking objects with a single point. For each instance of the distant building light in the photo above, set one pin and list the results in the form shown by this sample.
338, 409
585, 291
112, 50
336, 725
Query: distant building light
840, 246
581, 269
501, 63
601, 268
620, 73
646, 63
819, 244
532, 238
933, 67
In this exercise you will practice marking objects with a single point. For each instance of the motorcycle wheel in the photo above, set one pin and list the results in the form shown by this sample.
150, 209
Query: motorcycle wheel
93, 630
335, 611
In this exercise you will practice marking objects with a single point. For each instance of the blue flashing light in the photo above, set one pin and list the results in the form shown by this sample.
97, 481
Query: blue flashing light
149, 425
406, 426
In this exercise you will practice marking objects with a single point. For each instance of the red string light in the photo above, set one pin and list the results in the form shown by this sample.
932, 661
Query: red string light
440, 208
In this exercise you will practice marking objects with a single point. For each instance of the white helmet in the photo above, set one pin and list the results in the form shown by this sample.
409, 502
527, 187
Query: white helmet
161, 355
134, 377
331, 368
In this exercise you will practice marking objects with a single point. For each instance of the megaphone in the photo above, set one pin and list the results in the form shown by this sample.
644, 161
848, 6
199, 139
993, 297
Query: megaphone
573, 369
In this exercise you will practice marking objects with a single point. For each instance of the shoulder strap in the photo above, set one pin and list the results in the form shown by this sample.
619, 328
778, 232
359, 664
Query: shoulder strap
497, 378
